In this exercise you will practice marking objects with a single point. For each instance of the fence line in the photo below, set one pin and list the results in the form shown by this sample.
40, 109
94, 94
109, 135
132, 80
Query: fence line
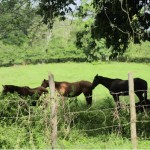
53, 121
132, 111
95, 129
42, 103
21, 99
128, 91
73, 112
88, 130
31, 114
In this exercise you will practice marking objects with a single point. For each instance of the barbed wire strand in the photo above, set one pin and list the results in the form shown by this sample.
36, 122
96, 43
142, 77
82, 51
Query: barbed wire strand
32, 114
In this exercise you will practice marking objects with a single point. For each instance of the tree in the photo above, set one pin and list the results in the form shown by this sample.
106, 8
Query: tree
51, 9
16, 18
116, 23
120, 21
85, 18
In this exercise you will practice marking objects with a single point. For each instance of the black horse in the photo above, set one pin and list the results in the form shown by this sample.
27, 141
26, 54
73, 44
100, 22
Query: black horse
119, 87
73, 89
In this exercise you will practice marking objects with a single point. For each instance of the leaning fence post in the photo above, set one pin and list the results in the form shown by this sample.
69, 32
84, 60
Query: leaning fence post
53, 111
132, 111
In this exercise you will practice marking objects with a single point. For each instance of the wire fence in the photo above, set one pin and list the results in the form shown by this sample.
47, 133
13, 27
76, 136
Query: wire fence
102, 117
67, 120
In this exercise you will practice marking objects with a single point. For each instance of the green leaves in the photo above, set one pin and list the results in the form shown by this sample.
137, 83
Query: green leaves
119, 22
49, 10
16, 18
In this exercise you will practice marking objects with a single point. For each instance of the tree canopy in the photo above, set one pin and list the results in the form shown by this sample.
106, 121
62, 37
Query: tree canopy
121, 21
115, 22
51, 9
16, 17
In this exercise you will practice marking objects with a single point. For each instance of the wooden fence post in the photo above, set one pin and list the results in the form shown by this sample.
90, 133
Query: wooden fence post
53, 122
132, 111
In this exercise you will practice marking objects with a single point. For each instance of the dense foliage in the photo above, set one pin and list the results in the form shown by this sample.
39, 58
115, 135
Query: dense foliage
51, 9
59, 48
14, 55
27, 127
96, 30
118, 22
16, 17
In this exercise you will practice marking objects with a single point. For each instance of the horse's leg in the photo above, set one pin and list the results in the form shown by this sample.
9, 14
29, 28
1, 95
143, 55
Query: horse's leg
140, 96
145, 95
88, 96
116, 98
117, 108
142, 100
64, 108
116, 114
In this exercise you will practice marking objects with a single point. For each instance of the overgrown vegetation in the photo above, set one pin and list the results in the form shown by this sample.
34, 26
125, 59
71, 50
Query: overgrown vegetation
24, 126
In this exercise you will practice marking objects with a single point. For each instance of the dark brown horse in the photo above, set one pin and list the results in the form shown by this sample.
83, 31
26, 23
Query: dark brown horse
73, 89
119, 87
25, 91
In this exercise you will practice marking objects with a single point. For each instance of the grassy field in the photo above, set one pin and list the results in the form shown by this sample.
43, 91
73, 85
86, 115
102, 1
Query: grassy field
33, 75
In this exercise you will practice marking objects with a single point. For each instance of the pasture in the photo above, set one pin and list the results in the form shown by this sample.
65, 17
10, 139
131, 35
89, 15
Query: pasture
33, 75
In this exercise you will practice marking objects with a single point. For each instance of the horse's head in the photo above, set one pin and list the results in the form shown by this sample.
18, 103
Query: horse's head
41, 90
95, 81
45, 83
5, 89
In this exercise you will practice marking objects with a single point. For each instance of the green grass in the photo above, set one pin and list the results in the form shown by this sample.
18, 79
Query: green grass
99, 142
33, 75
